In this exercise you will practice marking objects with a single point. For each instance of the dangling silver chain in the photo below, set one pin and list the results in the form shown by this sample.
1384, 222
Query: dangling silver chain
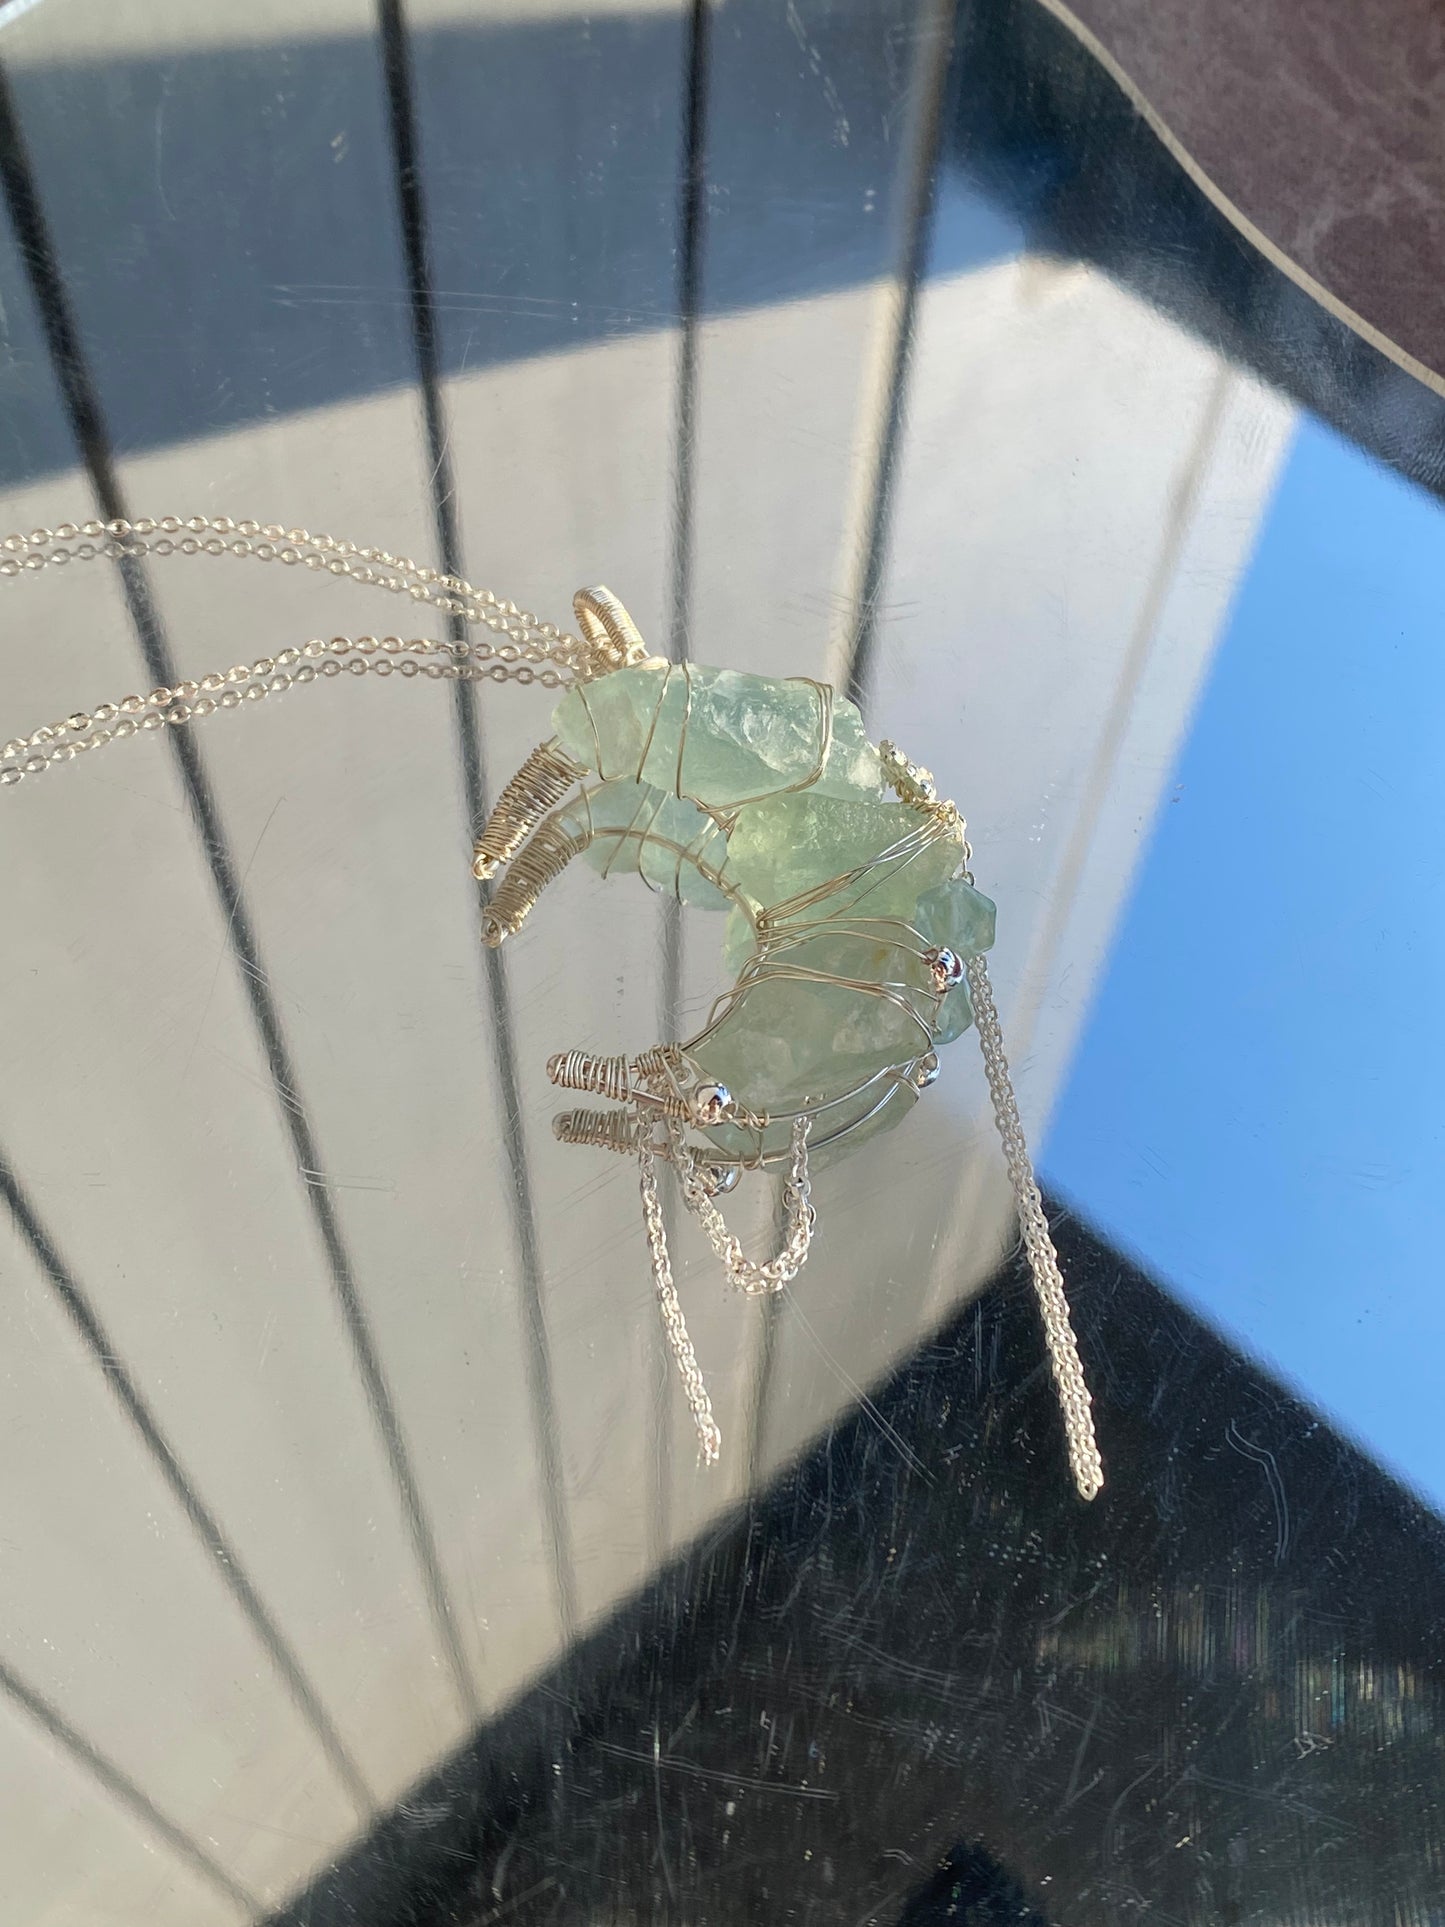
1074, 1400
670, 1306
755, 1278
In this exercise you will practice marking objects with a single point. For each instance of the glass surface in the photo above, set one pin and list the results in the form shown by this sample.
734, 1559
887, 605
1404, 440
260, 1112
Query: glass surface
356, 1563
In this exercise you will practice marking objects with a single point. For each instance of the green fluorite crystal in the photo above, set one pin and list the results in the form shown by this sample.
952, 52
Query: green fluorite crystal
720, 737
670, 842
744, 778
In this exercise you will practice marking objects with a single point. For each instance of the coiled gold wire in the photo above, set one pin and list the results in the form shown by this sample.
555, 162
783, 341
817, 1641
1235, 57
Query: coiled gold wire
607, 1130
538, 786
551, 848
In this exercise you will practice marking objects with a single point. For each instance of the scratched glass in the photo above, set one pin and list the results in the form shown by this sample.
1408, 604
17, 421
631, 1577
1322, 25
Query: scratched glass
357, 1562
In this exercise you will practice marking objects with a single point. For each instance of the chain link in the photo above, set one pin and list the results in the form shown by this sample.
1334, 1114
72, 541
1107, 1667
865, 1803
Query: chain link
1074, 1400
295, 548
531, 651
196, 699
670, 1307
756, 1278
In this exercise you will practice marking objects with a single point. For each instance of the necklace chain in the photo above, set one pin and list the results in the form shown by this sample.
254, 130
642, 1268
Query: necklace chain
528, 650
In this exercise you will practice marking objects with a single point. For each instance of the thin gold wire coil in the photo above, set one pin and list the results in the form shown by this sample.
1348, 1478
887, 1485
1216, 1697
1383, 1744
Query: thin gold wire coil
551, 849
580, 1070
659, 1067
649, 1080
608, 1130
541, 783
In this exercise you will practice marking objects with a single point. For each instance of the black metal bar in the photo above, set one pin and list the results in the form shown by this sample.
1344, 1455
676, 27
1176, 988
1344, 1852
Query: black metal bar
918, 232
123, 1789
393, 32
82, 404
77, 1306
691, 231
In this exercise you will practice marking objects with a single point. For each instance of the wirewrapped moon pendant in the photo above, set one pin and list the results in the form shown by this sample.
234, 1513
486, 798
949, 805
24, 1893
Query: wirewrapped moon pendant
842, 877
853, 929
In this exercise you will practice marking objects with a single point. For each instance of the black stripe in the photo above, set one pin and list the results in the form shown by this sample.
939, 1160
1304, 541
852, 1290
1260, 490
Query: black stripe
123, 1788
691, 241
88, 425
918, 228
102, 1347
691, 235
400, 93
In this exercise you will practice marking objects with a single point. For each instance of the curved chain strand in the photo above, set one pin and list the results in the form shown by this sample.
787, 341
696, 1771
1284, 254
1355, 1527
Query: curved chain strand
195, 699
529, 650
295, 548
756, 1278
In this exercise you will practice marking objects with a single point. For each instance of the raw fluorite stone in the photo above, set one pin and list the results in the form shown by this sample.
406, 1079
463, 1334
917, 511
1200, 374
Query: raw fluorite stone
791, 1041
723, 738
742, 773
637, 829
792, 844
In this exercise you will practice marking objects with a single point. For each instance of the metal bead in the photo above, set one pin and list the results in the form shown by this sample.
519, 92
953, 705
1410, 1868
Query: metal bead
945, 967
925, 1071
711, 1103
719, 1179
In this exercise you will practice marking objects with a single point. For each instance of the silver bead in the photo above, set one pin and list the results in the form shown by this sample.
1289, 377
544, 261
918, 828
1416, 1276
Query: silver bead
925, 1071
711, 1103
946, 968
719, 1179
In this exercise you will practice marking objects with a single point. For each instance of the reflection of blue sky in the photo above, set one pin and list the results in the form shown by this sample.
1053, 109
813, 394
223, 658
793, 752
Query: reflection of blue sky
1257, 1106
969, 230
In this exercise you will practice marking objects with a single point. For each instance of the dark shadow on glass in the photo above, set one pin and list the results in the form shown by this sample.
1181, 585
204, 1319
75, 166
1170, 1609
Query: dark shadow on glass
225, 1560
394, 39
123, 1789
72, 368
1216, 1694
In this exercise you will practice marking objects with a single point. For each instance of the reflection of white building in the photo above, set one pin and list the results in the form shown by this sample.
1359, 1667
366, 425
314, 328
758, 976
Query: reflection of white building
1078, 493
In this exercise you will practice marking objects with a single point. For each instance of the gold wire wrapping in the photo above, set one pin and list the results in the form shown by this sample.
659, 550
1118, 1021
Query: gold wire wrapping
606, 1130
544, 857
614, 637
538, 786
580, 1070
663, 1062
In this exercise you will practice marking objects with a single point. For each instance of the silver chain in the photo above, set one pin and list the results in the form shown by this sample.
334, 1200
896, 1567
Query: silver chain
530, 651
669, 1305
757, 1278
1074, 1400
294, 548
751, 1276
